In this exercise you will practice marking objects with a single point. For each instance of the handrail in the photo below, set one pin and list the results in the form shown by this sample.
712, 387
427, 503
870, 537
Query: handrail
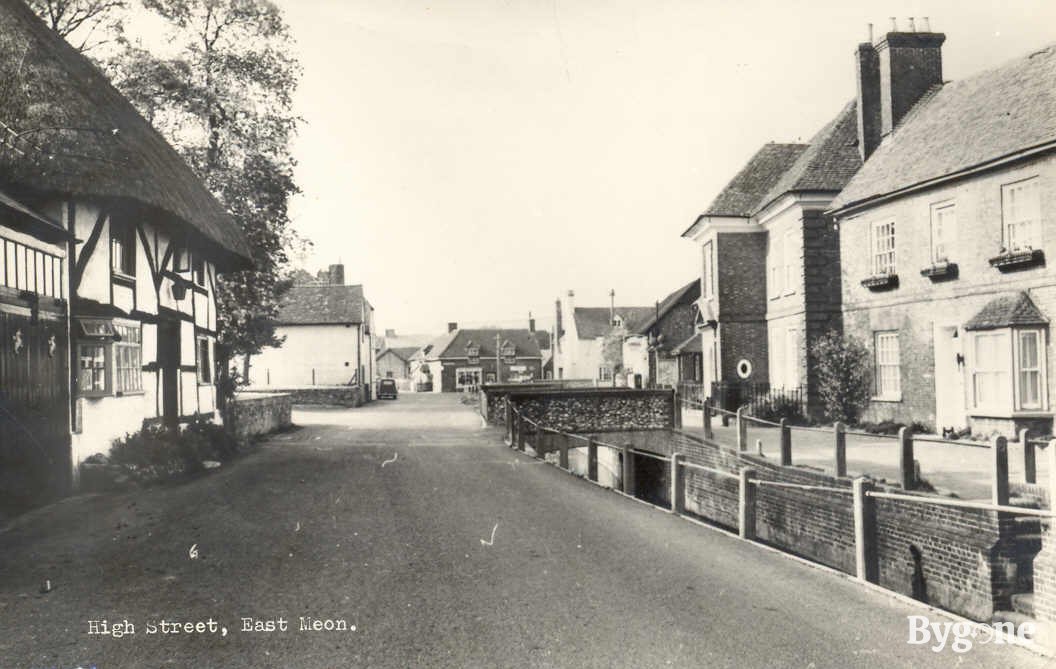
649, 454
982, 506
801, 486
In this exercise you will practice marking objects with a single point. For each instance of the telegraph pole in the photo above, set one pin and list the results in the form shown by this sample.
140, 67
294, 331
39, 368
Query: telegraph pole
498, 359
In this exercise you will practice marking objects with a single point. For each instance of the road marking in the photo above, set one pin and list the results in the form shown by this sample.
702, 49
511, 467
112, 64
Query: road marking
492, 541
392, 460
193, 552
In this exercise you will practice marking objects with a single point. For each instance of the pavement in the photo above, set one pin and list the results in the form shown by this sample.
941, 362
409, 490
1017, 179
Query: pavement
951, 467
443, 548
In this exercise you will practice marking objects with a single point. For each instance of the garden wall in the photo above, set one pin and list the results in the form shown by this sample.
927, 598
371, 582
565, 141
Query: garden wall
345, 396
580, 410
253, 414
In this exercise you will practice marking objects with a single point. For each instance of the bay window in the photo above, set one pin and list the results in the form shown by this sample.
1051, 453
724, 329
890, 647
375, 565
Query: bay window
1008, 370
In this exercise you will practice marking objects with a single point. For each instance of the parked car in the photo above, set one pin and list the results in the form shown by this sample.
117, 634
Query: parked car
387, 389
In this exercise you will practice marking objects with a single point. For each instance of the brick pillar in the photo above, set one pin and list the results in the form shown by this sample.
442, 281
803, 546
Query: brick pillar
676, 410
999, 480
592, 460
628, 470
562, 449
786, 444
746, 504
1030, 458
865, 554
907, 470
839, 431
708, 432
678, 485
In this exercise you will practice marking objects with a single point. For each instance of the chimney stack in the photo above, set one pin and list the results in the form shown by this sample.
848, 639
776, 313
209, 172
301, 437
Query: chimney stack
390, 334
559, 323
337, 275
451, 327
612, 307
531, 322
892, 76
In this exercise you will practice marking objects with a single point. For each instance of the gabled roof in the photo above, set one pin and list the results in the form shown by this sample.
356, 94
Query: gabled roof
542, 337
963, 125
689, 292
692, 344
829, 161
1007, 311
403, 353
593, 322
323, 305
745, 193
67, 130
454, 344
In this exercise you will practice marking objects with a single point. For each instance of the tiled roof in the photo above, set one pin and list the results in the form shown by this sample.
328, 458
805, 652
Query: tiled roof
456, 342
690, 292
744, 194
964, 124
403, 353
323, 304
829, 161
543, 339
691, 345
593, 322
1007, 311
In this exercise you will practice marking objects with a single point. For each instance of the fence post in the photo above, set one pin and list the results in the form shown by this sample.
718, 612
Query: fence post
999, 488
839, 431
520, 431
676, 409
708, 432
746, 504
742, 430
786, 444
1030, 457
562, 449
509, 421
628, 470
906, 468
678, 485
865, 561
592, 460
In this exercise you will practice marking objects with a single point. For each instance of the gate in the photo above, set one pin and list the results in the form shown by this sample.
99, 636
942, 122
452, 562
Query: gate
35, 461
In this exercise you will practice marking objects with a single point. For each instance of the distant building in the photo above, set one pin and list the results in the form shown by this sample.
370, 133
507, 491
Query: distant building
664, 350
328, 338
395, 363
465, 358
581, 334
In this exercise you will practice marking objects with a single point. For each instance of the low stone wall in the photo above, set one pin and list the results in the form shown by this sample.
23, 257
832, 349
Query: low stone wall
581, 410
253, 414
345, 396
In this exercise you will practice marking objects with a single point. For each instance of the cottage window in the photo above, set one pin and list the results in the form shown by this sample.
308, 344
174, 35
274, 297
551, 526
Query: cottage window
128, 355
888, 366
198, 271
883, 248
205, 367
122, 248
467, 377
943, 232
92, 375
1021, 213
604, 373
791, 263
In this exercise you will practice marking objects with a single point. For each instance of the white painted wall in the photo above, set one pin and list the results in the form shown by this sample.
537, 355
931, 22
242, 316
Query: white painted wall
331, 350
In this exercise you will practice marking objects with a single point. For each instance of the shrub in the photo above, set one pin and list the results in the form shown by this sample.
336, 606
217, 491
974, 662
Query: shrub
778, 406
219, 443
845, 380
156, 453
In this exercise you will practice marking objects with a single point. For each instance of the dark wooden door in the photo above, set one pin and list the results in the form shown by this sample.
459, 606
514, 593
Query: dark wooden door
35, 463
169, 366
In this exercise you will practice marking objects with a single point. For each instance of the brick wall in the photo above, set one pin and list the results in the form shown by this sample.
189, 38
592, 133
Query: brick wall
741, 276
745, 340
586, 410
254, 414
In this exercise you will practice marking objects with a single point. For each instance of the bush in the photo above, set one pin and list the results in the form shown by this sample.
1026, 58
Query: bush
845, 380
156, 453
779, 406
220, 444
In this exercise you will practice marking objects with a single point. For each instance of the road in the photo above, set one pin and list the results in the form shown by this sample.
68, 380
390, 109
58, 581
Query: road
443, 548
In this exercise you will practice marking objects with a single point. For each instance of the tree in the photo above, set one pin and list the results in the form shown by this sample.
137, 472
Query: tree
85, 24
845, 380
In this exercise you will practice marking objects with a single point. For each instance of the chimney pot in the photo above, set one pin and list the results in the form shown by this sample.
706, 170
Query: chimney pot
894, 25
571, 293
390, 333
451, 327
912, 24
870, 29
926, 24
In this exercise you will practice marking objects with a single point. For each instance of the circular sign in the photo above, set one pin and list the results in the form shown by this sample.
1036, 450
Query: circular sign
744, 368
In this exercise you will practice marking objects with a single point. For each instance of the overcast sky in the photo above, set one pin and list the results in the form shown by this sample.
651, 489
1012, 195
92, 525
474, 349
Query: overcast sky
473, 160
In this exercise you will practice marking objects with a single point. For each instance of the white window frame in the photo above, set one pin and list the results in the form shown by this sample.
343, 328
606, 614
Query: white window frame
131, 344
204, 368
790, 261
882, 246
1038, 369
1007, 366
943, 231
604, 373
459, 371
1021, 215
887, 387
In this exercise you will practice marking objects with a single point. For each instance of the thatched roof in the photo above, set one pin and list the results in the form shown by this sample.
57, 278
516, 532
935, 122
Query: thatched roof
64, 129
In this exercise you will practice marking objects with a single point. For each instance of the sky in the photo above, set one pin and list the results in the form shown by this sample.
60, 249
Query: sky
471, 161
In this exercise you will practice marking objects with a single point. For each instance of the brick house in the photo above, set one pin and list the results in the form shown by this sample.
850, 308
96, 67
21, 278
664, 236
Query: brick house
955, 207
468, 357
581, 333
665, 349
328, 331
771, 218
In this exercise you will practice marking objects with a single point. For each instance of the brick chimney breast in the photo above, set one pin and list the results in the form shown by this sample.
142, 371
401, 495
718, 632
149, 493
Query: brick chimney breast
337, 275
910, 64
867, 68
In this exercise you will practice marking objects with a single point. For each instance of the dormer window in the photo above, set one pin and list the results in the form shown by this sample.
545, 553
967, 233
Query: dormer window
508, 352
473, 352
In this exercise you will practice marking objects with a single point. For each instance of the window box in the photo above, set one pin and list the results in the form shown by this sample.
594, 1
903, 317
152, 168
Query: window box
881, 282
940, 271
1008, 261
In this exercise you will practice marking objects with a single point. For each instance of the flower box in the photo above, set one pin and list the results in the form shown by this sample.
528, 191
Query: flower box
881, 282
940, 271
1013, 260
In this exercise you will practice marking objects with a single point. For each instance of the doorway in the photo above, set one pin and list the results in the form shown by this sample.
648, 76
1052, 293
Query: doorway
950, 402
169, 368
